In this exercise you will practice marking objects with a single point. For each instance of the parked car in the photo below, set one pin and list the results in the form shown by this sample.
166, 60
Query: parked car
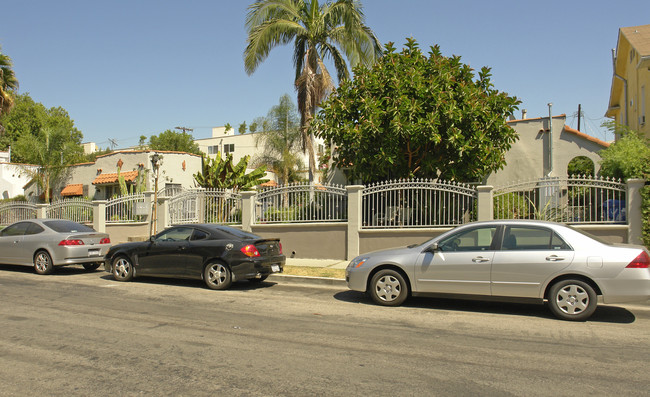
511, 259
217, 254
46, 243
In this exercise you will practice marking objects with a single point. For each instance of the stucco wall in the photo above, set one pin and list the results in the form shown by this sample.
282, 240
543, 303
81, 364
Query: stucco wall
314, 241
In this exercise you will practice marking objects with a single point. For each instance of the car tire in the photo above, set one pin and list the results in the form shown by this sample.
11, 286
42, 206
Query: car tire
122, 268
388, 288
572, 300
258, 279
217, 276
91, 266
43, 262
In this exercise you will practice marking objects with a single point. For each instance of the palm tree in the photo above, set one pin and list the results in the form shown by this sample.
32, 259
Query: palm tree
8, 83
328, 31
281, 139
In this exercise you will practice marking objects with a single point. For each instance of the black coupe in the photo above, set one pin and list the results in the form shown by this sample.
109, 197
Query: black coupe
216, 254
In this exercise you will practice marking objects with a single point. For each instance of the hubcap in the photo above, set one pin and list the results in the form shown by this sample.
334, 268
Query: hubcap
388, 288
217, 274
42, 262
572, 299
122, 268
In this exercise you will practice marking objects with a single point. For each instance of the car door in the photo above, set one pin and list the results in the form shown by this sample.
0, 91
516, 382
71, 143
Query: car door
163, 255
11, 244
529, 255
461, 263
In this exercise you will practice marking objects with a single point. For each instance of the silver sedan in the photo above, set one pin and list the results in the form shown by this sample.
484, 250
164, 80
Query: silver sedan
46, 243
514, 259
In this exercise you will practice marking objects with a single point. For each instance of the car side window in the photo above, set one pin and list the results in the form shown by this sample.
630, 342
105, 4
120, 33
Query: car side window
199, 235
175, 234
34, 229
478, 239
18, 229
526, 238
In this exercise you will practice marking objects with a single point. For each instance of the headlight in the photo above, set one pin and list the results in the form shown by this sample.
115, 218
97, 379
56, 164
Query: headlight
357, 262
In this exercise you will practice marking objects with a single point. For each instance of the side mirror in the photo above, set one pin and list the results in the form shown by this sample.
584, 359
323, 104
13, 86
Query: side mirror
432, 248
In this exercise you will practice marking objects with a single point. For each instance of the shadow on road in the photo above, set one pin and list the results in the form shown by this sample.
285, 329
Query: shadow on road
603, 314
191, 283
58, 271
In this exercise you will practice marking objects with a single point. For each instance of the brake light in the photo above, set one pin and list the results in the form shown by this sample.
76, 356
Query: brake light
640, 262
250, 251
280, 244
105, 240
71, 242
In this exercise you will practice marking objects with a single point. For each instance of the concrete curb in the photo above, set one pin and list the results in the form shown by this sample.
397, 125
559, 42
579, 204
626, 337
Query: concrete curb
290, 279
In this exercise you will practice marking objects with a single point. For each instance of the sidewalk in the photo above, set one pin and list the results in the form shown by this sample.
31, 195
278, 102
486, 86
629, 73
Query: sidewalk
329, 263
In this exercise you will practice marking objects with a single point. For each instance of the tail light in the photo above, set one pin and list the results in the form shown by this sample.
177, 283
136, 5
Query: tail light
71, 242
105, 240
250, 250
280, 244
640, 262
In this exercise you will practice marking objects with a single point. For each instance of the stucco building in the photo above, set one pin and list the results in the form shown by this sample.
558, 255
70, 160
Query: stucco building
628, 98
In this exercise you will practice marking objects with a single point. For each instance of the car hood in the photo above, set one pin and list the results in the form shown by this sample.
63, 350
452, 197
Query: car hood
392, 252
129, 245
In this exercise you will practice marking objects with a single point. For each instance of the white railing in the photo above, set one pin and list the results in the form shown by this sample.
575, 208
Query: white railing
205, 206
575, 199
76, 209
302, 202
415, 203
14, 211
126, 209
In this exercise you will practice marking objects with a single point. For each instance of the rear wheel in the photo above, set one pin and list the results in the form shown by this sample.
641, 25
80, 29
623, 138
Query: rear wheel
217, 276
43, 263
572, 300
91, 266
388, 288
122, 269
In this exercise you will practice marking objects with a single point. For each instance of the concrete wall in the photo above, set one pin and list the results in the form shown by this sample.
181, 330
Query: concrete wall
315, 240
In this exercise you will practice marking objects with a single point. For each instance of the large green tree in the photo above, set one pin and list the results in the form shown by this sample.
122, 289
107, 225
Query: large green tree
416, 115
28, 120
281, 141
174, 141
8, 85
332, 30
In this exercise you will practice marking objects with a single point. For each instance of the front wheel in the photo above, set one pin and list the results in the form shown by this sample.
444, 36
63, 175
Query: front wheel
217, 276
572, 300
122, 269
388, 288
43, 263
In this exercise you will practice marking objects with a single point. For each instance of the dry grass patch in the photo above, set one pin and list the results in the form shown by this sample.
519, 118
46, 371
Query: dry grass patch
314, 271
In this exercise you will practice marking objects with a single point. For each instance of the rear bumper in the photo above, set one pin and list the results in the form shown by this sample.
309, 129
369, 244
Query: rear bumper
253, 268
631, 285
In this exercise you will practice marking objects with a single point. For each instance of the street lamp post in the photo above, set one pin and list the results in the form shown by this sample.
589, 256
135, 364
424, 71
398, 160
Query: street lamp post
155, 163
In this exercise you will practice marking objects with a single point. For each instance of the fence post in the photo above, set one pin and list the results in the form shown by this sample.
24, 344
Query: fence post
41, 211
248, 210
633, 211
485, 203
354, 219
163, 213
99, 215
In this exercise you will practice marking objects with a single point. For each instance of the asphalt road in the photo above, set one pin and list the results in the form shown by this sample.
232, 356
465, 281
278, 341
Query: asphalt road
79, 333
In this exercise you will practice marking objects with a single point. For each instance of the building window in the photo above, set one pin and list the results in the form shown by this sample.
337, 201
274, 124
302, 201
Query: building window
213, 149
228, 148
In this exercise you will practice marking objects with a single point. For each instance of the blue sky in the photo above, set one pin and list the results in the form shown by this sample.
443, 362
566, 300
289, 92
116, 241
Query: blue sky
128, 68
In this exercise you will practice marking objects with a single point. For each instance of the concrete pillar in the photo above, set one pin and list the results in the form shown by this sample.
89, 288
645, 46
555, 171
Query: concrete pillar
163, 220
99, 215
633, 212
41, 211
354, 219
485, 203
248, 210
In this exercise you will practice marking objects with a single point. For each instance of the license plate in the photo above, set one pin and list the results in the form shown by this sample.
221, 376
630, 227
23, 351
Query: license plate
93, 252
275, 268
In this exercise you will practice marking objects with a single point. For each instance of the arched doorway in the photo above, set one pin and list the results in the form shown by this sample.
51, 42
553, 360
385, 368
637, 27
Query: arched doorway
581, 165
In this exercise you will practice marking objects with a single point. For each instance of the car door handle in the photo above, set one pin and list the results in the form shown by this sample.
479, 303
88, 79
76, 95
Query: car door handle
554, 258
480, 259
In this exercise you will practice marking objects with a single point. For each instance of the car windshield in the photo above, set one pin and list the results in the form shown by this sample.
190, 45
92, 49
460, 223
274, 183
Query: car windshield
63, 226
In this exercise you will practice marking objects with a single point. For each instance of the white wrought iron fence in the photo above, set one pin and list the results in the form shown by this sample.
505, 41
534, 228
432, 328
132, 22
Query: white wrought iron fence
14, 211
416, 203
302, 202
205, 206
575, 199
126, 209
76, 209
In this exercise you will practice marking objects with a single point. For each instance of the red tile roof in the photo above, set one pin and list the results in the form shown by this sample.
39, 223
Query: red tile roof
585, 136
103, 179
73, 190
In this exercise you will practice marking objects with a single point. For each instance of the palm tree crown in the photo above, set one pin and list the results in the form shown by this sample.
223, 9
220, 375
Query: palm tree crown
333, 31
8, 83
